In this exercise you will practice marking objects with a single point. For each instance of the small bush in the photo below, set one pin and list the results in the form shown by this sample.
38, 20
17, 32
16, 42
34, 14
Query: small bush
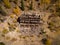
5, 31
7, 3
22, 5
31, 6
54, 24
16, 10
15, 1
3, 11
46, 41
1, 43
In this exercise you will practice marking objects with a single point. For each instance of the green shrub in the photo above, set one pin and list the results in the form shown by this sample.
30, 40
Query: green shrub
7, 3
3, 11
1, 43
15, 1
54, 24
5, 31
45, 41
56, 41
22, 5
31, 5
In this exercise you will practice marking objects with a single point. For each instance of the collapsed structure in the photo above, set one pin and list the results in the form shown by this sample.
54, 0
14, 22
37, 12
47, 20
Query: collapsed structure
30, 23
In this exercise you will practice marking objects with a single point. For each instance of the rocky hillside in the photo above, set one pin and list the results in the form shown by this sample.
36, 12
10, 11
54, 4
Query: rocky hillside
29, 22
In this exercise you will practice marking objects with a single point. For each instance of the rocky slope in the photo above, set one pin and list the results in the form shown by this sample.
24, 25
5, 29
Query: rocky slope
45, 31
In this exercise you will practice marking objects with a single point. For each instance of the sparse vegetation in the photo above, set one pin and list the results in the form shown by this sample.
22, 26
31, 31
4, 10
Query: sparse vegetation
12, 32
56, 41
54, 23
